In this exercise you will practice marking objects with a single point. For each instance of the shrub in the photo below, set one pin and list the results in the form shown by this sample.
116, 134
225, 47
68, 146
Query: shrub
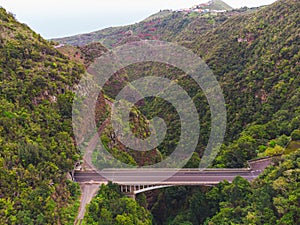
295, 135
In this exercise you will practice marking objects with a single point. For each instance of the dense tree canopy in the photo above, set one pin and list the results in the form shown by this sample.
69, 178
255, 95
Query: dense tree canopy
255, 57
36, 145
110, 207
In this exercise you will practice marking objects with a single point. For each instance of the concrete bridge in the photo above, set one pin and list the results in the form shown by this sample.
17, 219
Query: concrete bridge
135, 181
138, 180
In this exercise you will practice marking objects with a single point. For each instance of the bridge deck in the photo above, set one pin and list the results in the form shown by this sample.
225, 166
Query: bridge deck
142, 176
165, 177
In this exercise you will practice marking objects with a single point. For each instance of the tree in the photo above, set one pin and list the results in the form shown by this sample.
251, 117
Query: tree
295, 135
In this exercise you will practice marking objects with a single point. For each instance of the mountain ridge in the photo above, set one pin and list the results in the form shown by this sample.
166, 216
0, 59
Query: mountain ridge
164, 25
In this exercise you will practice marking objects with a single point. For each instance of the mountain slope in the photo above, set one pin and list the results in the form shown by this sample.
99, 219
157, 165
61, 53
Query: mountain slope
272, 199
165, 25
255, 58
152, 28
36, 145
219, 5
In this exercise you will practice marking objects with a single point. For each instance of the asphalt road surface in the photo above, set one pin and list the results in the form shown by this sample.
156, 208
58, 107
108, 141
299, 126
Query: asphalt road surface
181, 177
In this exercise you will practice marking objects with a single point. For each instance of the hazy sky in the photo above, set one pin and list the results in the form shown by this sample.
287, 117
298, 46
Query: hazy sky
58, 18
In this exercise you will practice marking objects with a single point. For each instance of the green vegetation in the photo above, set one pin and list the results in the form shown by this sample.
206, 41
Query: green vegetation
274, 198
296, 135
219, 5
255, 57
260, 79
110, 207
36, 145
263, 103
140, 128
85, 54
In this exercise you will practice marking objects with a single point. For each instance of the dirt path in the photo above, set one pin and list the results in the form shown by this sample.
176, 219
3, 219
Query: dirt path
88, 191
87, 157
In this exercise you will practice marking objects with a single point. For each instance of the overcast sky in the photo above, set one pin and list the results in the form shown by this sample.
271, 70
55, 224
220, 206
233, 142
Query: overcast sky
59, 18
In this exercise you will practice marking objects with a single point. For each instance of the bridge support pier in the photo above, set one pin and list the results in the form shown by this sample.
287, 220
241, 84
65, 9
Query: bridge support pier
130, 195
132, 190
128, 190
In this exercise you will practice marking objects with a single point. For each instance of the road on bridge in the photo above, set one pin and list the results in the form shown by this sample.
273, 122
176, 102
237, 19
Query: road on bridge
150, 176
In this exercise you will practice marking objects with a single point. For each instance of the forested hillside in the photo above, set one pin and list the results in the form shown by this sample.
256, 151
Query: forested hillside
253, 53
115, 209
271, 199
255, 57
256, 60
36, 145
